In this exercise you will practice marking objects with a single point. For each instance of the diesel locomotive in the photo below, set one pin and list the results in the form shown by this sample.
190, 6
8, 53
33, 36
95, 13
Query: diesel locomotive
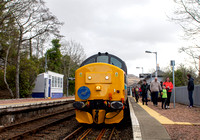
101, 90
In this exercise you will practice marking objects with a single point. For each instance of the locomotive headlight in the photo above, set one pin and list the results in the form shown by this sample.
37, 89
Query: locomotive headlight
89, 77
106, 77
98, 88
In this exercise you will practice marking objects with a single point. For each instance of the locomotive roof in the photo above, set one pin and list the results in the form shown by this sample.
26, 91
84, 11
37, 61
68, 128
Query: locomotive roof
106, 58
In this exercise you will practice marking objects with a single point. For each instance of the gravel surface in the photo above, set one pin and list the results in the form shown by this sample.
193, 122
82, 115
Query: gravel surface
181, 113
124, 128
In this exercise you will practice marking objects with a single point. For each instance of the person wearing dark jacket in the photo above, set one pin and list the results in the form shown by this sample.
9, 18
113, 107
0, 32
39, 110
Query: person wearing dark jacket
190, 88
144, 88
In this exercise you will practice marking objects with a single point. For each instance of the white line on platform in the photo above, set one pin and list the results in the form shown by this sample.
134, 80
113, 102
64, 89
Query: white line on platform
135, 124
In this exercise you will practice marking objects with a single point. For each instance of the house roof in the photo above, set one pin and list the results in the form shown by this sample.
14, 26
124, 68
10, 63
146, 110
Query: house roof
159, 74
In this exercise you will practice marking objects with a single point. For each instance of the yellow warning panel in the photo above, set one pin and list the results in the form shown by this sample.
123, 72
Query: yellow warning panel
83, 117
114, 117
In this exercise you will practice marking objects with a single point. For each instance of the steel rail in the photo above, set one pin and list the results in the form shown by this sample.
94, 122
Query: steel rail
101, 134
71, 135
81, 137
111, 134
34, 130
34, 119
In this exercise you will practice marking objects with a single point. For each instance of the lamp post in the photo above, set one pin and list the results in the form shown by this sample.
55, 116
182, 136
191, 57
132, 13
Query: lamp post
46, 60
156, 73
46, 77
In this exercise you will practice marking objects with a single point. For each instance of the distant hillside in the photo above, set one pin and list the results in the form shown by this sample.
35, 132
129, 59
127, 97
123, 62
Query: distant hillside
132, 79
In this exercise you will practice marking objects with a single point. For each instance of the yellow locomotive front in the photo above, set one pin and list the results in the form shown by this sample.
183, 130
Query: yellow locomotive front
100, 93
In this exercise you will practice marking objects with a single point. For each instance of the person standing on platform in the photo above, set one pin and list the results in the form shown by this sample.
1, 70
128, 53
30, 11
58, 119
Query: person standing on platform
144, 88
164, 97
169, 86
161, 84
136, 93
155, 88
190, 88
140, 90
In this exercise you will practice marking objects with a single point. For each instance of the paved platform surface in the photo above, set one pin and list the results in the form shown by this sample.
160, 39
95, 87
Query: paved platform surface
30, 101
149, 128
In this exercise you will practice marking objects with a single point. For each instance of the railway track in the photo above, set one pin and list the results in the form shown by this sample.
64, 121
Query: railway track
32, 126
91, 133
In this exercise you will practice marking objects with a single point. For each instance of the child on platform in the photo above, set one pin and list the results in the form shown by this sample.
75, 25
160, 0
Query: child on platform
164, 97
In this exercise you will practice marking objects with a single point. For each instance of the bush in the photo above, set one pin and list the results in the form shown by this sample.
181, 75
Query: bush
2, 84
28, 74
71, 87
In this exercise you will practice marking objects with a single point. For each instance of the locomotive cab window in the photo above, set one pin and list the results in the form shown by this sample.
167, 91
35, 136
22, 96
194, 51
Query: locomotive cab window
115, 62
103, 59
92, 60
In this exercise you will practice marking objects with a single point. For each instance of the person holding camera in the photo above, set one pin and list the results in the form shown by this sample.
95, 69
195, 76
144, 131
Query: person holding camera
169, 86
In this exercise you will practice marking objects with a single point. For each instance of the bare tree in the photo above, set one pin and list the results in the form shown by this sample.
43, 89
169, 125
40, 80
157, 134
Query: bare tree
5, 70
73, 54
32, 19
187, 15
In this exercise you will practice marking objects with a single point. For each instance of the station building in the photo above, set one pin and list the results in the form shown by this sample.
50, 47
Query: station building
48, 85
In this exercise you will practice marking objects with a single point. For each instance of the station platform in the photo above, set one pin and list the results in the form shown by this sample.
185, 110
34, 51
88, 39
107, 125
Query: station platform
16, 110
145, 127
31, 101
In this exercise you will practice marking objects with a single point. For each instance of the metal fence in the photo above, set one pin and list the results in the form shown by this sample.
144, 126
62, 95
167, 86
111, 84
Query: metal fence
181, 95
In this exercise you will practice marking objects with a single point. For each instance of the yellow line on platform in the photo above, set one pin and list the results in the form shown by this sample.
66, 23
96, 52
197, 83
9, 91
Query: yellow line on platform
162, 119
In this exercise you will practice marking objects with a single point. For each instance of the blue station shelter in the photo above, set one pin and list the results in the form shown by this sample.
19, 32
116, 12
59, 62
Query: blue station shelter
48, 85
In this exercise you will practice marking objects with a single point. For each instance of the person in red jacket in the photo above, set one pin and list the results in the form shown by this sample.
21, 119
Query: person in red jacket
169, 86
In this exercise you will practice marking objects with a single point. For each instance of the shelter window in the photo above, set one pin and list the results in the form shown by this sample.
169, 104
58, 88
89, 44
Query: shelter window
61, 82
115, 62
56, 81
53, 81
103, 59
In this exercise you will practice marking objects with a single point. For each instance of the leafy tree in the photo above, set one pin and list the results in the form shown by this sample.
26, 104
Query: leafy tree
28, 74
181, 75
71, 87
32, 19
8, 35
54, 57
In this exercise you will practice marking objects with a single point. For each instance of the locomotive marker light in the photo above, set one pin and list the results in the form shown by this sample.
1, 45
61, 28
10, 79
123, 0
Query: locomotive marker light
107, 77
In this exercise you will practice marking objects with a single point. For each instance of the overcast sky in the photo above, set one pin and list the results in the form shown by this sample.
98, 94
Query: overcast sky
125, 28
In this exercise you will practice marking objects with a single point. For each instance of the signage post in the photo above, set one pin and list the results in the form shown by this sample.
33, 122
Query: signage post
173, 64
